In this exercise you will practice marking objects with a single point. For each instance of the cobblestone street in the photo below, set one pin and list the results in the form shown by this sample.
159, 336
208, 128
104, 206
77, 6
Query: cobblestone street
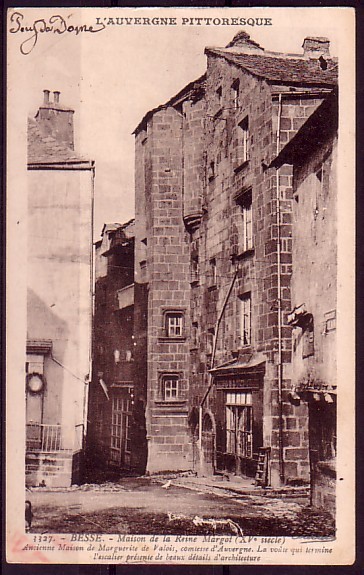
151, 506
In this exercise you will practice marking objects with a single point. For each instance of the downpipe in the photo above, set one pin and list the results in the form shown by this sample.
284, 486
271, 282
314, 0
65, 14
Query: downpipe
279, 302
217, 326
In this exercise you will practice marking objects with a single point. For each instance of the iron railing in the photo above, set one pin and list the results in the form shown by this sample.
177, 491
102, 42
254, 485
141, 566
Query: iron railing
48, 438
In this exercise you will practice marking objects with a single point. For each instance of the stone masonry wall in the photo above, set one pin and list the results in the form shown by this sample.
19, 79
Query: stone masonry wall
168, 280
257, 270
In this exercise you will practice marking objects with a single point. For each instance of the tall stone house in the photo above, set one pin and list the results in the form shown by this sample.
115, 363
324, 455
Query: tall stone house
313, 154
113, 427
213, 264
59, 297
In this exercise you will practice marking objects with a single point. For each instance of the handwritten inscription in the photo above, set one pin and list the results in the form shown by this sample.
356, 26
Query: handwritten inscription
54, 25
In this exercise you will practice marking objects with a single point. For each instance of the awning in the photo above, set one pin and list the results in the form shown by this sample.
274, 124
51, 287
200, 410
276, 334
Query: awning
239, 366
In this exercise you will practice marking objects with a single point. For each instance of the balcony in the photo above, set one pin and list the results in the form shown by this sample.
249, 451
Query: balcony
47, 438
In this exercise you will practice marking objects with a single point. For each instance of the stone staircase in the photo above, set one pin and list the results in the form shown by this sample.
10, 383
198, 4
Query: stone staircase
52, 469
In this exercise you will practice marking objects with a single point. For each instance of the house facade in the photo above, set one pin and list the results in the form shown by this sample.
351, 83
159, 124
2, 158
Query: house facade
213, 263
59, 282
113, 423
313, 155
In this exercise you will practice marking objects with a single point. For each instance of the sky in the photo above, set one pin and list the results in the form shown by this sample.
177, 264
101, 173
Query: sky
113, 77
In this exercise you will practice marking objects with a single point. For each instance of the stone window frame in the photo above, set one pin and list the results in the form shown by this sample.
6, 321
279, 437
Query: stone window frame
194, 335
175, 376
245, 319
194, 269
166, 335
235, 89
242, 151
244, 200
212, 276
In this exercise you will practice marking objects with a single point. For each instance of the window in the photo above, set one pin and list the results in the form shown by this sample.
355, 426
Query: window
308, 343
244, 305
219, 95
170, 387
174, 324
194, 269
211, 171
244, 200
243, 141
194, 332
213, 272
235, 90
210, 341
330, 321
239, 423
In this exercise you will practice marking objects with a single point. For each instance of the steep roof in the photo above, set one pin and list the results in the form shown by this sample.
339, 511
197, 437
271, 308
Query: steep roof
46, 149
193, 90
284, 70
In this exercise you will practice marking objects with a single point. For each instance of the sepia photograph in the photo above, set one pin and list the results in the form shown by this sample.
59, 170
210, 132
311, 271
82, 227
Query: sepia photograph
180, 285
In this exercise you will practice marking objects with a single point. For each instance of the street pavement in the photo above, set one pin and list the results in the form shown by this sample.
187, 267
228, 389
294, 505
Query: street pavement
176, 505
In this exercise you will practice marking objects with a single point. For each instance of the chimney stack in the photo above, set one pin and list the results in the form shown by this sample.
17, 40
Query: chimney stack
56, 120
56, 96
316, 47
46, 97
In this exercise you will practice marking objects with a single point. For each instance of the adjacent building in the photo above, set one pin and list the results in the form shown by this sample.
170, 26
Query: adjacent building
213, 264
313, 154
59, 280
113, 423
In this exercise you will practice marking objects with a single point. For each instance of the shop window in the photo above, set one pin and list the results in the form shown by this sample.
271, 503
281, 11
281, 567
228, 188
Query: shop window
235, 93
239, 424
244, 312
244, 200
174, 324
170, 387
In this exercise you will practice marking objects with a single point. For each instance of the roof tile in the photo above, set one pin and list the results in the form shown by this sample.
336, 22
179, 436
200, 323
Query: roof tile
285, 70
46, 149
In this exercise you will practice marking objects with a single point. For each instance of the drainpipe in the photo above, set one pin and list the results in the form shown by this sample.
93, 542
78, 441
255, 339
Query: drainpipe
279, 301
217, 326
92, 305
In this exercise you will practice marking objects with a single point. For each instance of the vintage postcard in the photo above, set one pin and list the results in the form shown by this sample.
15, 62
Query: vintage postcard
180, 286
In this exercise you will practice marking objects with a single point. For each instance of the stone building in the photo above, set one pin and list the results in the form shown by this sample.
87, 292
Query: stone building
213, 263
113, 427
313, 154
59, 283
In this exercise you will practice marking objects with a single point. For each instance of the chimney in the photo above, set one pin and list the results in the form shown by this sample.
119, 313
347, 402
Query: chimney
243, 43
316, 47
46, 97
55, 120
56, 96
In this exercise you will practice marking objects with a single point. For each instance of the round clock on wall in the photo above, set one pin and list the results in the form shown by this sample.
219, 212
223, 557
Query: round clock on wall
35, 383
